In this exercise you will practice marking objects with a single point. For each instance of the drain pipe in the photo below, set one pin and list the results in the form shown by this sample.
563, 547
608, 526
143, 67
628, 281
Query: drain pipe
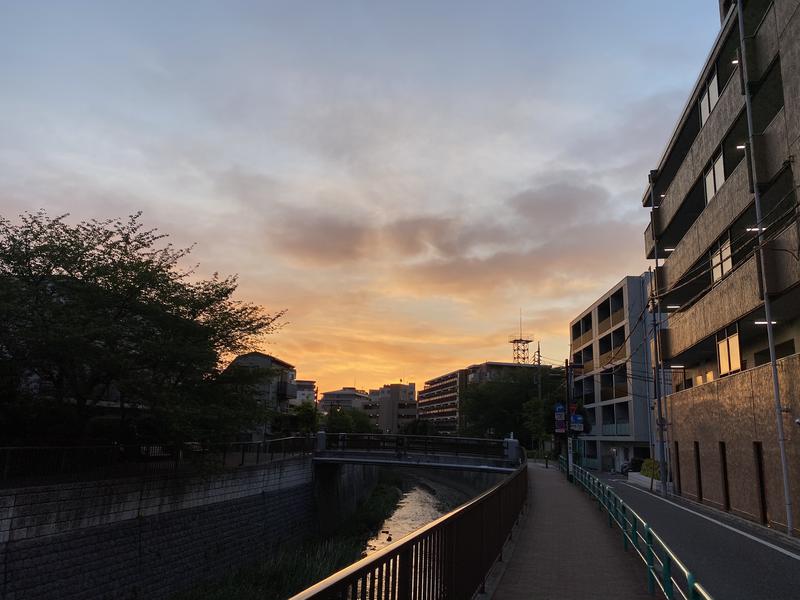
767, 303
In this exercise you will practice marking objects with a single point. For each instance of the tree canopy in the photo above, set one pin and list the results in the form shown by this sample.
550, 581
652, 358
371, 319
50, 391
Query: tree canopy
104, 312
498, 408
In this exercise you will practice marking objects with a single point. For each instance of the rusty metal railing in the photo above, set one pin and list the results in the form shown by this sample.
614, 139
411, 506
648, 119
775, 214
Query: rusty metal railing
445, 560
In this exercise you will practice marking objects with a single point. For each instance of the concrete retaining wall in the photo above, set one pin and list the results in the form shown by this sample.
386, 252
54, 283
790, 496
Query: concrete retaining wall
149, 538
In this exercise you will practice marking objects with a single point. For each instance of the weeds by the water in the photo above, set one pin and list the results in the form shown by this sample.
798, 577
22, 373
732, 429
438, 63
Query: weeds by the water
296, 568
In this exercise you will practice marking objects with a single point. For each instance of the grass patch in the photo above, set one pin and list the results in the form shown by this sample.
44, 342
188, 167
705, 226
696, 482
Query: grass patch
295, 568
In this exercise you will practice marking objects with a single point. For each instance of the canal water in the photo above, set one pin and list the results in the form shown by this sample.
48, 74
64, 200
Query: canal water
423, 501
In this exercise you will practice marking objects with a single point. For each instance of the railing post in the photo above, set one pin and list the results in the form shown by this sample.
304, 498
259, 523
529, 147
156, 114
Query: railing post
624, 523
651, 584
690, 582
635, 533
241, 461
404, 574
321, 442
667, 576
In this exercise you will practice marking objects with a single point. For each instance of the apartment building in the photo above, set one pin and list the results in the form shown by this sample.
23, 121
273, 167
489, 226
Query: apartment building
611, 340
440, 400
306, 391
397, 406
350, 397
722, 421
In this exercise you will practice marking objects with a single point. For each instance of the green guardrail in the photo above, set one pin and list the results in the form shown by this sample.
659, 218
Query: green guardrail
664, 569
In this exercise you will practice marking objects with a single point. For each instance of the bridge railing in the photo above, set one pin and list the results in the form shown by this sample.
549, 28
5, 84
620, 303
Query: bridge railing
416, 444
445, 560
664, 569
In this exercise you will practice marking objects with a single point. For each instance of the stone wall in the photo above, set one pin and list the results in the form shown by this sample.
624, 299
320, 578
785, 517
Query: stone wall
151, 537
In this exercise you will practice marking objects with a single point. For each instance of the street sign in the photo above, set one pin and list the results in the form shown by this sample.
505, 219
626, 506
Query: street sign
576, 423
561, 419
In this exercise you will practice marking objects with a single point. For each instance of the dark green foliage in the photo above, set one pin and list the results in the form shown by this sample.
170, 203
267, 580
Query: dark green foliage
296, 568
103, 311
348, 420
419, 427
497, 408
307, 417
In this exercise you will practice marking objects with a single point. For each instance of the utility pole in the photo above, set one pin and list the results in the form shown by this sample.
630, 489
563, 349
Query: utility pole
654, 308
538, 360
776, 390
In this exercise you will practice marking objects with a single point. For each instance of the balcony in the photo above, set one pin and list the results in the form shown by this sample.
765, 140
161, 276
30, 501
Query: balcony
730, 299
609, 429
620, 390
731, 200
588, 365
603, 326
728, 107
763, 47
623, 428
618, 317
772, 148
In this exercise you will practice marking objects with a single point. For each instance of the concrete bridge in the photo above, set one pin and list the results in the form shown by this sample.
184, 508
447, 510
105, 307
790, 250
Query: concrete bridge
464, 454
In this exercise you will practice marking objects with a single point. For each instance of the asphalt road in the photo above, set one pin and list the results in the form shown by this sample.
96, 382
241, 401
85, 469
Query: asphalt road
730, 558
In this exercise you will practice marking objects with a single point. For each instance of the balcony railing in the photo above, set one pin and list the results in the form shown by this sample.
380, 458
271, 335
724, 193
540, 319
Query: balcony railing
604, 325
618, 317
609, 429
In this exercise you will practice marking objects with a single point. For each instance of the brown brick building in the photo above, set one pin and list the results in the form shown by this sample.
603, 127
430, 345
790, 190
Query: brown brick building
722, 419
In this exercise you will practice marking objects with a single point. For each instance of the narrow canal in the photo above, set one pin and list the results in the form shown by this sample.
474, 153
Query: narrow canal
424, 500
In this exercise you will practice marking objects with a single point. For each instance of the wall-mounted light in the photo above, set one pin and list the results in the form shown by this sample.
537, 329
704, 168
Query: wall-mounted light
764, 322
677, 367
673, 306
740, 147
756, 229
735, 61
663, 195
669, 249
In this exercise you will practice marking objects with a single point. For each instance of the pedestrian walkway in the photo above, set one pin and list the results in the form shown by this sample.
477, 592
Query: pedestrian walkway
566, 550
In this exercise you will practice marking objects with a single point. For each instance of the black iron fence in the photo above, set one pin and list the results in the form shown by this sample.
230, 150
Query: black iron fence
445, 560
417, 444
23, 465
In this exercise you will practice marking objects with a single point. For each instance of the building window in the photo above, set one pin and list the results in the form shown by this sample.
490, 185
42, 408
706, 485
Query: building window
714, 177
728, 350
709, 98
721, 260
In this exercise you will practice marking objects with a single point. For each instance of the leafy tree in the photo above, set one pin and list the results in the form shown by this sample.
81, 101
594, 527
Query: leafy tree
338, 420
307, 417
348, 420
497, 408
103, 311
419, 427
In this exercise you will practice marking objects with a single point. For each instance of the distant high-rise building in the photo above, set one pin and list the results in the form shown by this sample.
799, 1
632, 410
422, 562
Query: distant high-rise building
397, 406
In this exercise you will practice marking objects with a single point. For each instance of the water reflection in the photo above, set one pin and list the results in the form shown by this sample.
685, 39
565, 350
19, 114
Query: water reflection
418, 507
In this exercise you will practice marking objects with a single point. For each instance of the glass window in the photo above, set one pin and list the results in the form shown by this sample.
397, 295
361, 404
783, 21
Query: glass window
713, 92
710, 190
724, 358
728, 351
725, 257
733, 352
719, 172
704, 110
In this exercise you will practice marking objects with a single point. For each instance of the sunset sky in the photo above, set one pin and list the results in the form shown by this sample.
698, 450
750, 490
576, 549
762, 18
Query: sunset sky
402, 176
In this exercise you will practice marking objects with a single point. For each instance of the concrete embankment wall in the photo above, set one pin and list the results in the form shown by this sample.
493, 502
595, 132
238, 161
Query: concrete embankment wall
151, 537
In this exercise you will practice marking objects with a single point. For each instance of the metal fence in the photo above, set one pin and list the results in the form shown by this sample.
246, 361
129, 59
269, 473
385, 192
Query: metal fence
664, 569
419, 444
445, 560
21, 465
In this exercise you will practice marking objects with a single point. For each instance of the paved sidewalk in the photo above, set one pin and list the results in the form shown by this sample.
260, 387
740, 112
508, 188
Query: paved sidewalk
566, 550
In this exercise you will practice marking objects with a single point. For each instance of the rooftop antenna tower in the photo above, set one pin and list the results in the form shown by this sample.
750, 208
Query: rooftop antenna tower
519, 344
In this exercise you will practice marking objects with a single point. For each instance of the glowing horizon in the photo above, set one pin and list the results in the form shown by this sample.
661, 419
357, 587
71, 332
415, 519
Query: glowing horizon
402, 177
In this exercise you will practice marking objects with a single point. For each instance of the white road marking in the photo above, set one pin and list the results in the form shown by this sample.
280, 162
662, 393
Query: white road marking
721, 524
